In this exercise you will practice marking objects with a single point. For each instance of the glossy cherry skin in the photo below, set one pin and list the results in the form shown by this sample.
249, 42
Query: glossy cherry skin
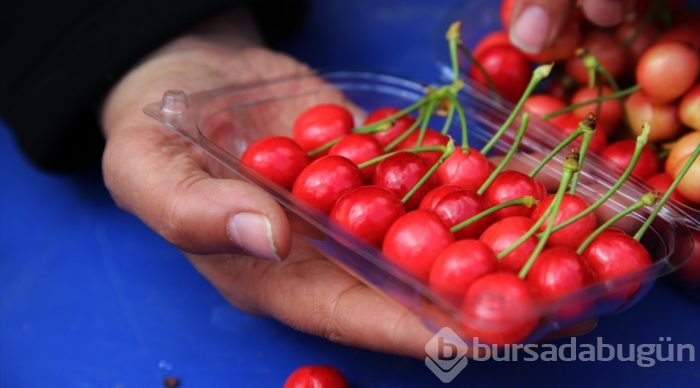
400, 172
557, 273
508, 68
431, 138
573, 235
323, 181
316, 376
434, 196
662, 118
320, 124
614, 254
494, 39
505, 12
415, 240
689, 109
610, 53
541, 104
400, 125
620, 155
367, 212
458, 267
499, 308
667, 70
502, 234
510, 185
459, 206
359, 147
568, 123
661, 182
277, 158
610, 111
466, 169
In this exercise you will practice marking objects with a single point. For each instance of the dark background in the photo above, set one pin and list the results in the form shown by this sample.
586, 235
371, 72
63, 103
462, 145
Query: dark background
89, 297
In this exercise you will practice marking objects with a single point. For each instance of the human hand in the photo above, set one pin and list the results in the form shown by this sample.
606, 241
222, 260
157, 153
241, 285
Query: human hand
226, 226
535, 24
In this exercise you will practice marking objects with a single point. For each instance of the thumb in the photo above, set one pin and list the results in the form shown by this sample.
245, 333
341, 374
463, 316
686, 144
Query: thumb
534, 24
155, 176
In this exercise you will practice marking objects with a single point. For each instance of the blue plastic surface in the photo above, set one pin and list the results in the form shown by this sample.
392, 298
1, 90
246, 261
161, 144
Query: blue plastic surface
89, 297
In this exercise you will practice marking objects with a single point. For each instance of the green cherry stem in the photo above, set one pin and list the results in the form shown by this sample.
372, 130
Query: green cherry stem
390, 154
570, 165
453, 40
381, 125
428, 114
554, 152
448, 120
524, 120
570, 168
590, 62
470, 56
611, 96
647, 199
325, 146
407, 132
667, 194
449, 149
462, 120
527, 200
588, 125
538, 75
641, 141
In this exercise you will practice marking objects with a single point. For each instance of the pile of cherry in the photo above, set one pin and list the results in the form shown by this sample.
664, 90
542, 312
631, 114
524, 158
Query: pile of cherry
490, 240
645, 69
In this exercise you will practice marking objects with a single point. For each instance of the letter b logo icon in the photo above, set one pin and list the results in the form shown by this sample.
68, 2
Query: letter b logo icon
446, 355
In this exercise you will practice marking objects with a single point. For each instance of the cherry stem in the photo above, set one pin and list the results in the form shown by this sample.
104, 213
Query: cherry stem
379, 125
448, 150
325, 146
538, 75
570, 169
390, 154
556, 151
667, 194
610, 96
588, 125
641, 141
424, 125
570, 165
655, 7
647, 199
448, 121
524, 120
406, 133
462, 120
527, 200
453, 40
489, 81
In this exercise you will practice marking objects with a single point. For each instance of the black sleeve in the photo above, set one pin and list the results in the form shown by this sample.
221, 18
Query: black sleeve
59, 59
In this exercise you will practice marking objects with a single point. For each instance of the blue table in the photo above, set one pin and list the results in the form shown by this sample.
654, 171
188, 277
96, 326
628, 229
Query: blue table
90, 297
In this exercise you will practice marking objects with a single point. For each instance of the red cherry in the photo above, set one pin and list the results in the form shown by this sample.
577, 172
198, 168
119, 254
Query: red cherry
610, 53
667, 70
277, 158
399, 127
568, 124
316, 376
367, 212
620, 155
683, 32
494, 39
415, 240
506, 11
508, 68
645, 37
661, 182
431, 138
499, 309
458, 266
459, 206
466, 169
323, 181
662, 118
573, 235
320, 124
613, 254
431, 200
541, 104
400, 172
689, 109
359, 147
502, 234
690, 271
610, 111
510, 185
559, 272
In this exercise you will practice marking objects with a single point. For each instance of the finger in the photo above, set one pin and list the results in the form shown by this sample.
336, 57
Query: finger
605, 12
315, 296
153, 175
534, 24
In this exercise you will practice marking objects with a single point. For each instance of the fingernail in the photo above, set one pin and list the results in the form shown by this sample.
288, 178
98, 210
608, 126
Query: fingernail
253, 232
529, 33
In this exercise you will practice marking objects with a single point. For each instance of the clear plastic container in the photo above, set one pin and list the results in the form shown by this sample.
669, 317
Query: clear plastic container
222, 123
